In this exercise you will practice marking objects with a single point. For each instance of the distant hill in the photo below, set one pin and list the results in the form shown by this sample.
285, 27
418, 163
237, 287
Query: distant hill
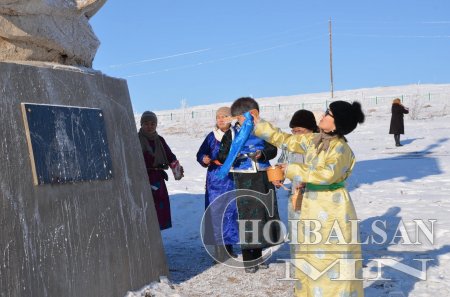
282, 107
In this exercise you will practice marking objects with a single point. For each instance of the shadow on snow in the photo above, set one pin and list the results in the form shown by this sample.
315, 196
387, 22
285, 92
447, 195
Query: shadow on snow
407, 166
399, 283
184, 250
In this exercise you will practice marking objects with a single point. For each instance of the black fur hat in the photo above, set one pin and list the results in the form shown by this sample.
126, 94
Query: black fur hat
305, 119
346, 116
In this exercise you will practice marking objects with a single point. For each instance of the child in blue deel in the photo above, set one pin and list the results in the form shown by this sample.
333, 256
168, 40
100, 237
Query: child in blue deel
249, 172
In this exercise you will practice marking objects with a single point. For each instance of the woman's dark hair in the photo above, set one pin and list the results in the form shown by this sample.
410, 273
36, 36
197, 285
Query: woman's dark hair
243, 105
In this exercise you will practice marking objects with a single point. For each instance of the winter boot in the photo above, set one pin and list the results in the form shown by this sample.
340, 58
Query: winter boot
397, 140
229, 248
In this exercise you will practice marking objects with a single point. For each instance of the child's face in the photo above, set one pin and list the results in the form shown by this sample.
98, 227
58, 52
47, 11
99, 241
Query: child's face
300, 130
149, 126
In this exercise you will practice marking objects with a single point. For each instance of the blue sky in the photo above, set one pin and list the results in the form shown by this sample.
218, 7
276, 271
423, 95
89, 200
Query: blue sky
215, 51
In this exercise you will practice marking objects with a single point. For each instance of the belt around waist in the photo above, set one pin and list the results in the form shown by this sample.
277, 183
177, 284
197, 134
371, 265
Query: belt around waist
330, 187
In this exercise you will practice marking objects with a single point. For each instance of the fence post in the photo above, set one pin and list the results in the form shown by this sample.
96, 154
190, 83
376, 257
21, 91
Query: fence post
303, 105
192, 114
376, 100
326, 104
170, 116
429, 97
402, 98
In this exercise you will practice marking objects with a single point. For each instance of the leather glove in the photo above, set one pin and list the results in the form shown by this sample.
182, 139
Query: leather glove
165, 176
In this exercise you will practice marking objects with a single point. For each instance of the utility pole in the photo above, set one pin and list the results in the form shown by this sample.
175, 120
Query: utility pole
331, 59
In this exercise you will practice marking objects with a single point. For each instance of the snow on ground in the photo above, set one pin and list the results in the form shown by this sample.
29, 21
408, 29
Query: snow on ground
388, 183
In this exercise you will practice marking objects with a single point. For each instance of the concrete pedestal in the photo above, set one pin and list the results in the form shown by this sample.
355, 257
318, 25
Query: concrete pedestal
96, 238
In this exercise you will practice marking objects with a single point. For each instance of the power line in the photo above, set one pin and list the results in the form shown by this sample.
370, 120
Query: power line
159, 58
393, 36
273, 36
277, 35
439, 22
233, 45
223, 58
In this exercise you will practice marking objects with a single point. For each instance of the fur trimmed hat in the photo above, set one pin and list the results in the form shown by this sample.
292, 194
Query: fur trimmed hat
346, 116
224, 110
305, 119
149, 116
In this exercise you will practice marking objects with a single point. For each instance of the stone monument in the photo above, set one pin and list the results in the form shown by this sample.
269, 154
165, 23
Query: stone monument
76, 213
48, 30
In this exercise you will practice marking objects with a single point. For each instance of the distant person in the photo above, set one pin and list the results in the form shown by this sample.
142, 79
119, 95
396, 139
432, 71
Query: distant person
329, 161
227, 231
397, 125
249, 174
158, 157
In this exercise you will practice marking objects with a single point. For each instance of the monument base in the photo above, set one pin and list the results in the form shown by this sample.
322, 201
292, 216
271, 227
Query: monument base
86, 238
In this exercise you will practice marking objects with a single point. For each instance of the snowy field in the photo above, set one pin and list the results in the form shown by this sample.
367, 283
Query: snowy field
388, 183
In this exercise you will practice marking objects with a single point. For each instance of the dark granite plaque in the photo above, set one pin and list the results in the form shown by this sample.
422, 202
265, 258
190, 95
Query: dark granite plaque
66, 143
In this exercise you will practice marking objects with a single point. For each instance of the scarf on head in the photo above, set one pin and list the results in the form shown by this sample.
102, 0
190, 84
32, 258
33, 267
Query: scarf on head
158, 152
322, 141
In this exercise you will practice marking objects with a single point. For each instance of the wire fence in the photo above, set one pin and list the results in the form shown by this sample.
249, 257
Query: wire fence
320, 105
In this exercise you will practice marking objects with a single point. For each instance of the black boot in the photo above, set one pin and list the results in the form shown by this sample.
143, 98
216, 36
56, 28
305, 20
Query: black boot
229, 248
397, 140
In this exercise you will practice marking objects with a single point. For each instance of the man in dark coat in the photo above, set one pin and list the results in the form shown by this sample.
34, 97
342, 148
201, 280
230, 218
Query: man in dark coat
397, 126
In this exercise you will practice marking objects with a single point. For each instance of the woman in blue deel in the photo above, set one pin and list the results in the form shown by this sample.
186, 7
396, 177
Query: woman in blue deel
225, 233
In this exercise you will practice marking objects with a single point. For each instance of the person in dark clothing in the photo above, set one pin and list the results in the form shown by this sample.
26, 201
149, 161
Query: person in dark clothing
158, 157
249, 173
397, 125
